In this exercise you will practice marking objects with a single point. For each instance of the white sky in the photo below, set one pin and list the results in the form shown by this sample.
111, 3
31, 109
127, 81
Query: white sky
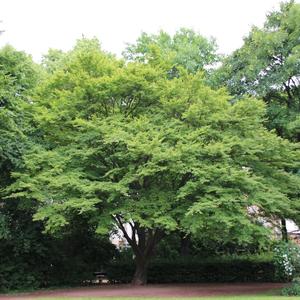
37, 25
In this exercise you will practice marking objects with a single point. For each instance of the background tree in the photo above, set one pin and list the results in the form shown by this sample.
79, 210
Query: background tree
18, 77
53, 60
30, 258
186, 49
124, 144
267, 66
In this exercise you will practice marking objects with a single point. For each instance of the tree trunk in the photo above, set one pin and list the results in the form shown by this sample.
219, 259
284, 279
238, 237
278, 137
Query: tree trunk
143, 246
289, 94
284, 230
140, 274
185, 242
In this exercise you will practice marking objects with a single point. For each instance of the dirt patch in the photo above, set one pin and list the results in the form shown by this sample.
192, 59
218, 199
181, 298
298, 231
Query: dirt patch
157, 290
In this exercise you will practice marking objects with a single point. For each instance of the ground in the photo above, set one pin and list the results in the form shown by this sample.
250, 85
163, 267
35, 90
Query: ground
157, 291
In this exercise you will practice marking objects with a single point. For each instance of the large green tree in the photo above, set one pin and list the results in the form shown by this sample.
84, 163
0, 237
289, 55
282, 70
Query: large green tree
268, 66
18, 76
126, 146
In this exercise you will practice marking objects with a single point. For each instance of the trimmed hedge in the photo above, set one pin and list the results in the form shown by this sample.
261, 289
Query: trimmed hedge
193, 270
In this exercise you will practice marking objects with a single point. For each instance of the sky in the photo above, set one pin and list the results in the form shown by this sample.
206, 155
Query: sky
37, 25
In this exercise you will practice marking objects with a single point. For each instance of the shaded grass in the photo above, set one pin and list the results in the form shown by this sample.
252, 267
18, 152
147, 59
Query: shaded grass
257, 297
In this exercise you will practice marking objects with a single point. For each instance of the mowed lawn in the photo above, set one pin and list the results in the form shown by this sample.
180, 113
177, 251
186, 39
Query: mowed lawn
259, 297
271, 295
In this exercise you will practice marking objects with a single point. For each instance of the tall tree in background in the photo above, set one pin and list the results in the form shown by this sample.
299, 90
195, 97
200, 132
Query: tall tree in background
268, 66
30, 258
19, 76
53, 60
186, 49
127, 144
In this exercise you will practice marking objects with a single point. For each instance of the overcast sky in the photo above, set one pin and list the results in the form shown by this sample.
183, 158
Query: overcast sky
37, 25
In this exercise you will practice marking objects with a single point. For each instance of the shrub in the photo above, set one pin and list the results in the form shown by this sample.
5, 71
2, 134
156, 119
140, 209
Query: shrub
293, 290
286, 260
31, 259
225, 269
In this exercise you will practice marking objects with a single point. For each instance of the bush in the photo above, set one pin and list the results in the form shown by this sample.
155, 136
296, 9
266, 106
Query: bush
31, 259
225, 269
293, 290
286, 260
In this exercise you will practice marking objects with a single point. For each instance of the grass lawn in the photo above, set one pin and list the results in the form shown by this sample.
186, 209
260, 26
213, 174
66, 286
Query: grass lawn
259, 297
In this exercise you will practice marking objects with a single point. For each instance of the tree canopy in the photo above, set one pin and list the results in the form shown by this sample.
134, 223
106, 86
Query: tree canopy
160, 143
29, 257
185, 48
127, 144
268, 66
18, 78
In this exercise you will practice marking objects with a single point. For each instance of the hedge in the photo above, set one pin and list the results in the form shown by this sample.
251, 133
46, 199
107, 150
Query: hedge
195, 270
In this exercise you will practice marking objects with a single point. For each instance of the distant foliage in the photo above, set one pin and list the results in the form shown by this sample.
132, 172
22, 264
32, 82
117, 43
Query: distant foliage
268, 66
185, 49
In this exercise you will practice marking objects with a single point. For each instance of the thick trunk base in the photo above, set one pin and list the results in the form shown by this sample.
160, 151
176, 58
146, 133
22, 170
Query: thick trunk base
185, 242
140, 274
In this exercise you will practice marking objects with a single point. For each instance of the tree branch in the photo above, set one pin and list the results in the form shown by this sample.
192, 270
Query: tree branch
133, 229
132, 242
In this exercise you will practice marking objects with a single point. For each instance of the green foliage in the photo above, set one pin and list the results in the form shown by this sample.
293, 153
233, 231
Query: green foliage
293, 290
53, 60
143, 142
175, 246
31, 259
287, 260
18, 76
267, 66
125, 140
224, 269
185, 49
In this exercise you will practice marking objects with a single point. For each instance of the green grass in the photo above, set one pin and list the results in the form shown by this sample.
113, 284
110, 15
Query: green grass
260, 297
